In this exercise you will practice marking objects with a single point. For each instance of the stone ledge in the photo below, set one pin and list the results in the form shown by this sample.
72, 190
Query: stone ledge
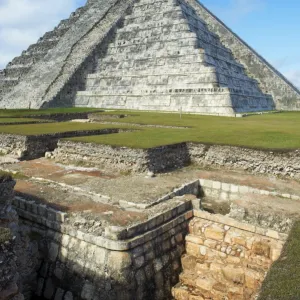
241, 189
104, 242
239, 225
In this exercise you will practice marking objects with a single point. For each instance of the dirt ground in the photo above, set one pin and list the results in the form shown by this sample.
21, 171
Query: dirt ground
97, 193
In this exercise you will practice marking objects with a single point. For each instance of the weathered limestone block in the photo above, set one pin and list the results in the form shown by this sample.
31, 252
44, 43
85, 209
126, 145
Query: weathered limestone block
256, 161
143, 263
155, 160
225, 258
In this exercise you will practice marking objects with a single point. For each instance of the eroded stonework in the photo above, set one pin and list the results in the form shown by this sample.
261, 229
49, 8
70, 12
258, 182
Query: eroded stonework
149, 55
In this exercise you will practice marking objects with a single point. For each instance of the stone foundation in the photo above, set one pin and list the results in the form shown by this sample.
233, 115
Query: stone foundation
164, 158
157, 160
178, 248
225, 259
276, 162
140, 262
31, 147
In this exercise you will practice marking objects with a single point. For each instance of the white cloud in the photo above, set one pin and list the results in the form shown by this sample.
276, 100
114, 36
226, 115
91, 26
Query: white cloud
23, 22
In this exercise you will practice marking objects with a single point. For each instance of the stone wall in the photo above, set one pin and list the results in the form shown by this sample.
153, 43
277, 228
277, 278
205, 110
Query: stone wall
226, 259
35, 146
276, 162
230, 195
160, 159
9, 276
285, 95
139, 262
156, 160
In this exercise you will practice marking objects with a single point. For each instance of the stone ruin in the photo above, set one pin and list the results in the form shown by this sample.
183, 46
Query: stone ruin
179, 251
178, 243
150, 55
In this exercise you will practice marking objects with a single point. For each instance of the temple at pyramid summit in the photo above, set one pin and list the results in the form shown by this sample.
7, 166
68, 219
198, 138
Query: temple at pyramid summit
160, 55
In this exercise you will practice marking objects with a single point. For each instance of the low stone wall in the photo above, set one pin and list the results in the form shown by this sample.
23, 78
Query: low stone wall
175, 156
226, 259
140, 262
156, 160
231, 195
35, 146
283, 163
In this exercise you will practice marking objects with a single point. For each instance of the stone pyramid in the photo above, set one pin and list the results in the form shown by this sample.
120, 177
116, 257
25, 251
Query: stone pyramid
163, 55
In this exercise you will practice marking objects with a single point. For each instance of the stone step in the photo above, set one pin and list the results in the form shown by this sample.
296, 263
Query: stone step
173, 78
197, 56
208, 103
43, 46
150, 50
152, 12
194, 55
150, 79
152, 24
170, 81
154, 31
17, 71
72, 19
184, 64
152, 2
167, 91
182, 292
174, 46
188, 90
55, 34
152, 8
206, 286
174, 36
171, 15
152, 72
27, 59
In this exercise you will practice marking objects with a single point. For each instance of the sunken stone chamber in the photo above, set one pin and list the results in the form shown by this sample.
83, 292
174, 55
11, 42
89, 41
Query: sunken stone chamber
181, 249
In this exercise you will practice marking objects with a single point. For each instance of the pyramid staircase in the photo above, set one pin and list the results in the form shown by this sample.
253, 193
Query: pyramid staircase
165, 58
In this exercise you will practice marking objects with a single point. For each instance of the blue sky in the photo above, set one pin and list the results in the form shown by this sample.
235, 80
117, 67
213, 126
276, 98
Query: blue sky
272, 27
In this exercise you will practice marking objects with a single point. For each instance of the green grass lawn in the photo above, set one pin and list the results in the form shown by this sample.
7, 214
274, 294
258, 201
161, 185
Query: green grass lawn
268, 131
19, 120
18, 113
48, 128
282, 281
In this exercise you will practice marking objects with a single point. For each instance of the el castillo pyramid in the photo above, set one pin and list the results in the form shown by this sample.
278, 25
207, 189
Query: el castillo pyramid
163, 55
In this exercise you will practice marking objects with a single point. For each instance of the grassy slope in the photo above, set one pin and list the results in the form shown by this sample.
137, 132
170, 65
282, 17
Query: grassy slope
283, 279
17, 113
270, 131
19, 120
48, 128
